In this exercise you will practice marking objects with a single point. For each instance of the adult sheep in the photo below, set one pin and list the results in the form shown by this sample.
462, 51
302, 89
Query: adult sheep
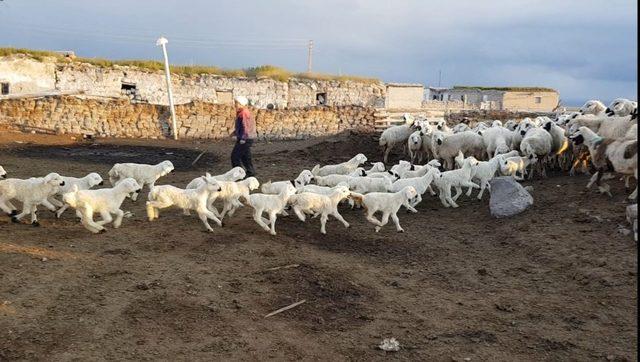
396, 135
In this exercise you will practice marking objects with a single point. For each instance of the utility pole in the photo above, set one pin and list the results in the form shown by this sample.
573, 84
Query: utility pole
310, 56
162, 41
439, 77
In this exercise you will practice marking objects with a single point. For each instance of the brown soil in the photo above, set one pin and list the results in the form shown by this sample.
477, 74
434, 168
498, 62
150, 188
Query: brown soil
555, 283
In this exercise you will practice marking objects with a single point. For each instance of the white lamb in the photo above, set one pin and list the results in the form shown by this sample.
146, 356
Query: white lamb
485, 171
388, 204
446, 147
322, 190
235, 174
376, 167
364, 185
420, 184
622, 107
538, 142
395, 135
164, 196
497, 140
512, 166
594, 107
31, 192
272, 205
142, 173
233, 192
304, 178
323, 205
103, 201
83, 183
344, 168
458, 178
460, 127
333, 180
414, 145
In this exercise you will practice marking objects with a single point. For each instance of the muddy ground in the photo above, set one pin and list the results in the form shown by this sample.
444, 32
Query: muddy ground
558, 282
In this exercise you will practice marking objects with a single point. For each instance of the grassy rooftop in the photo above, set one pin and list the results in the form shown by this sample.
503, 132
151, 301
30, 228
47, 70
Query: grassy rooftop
507, 89
268, 71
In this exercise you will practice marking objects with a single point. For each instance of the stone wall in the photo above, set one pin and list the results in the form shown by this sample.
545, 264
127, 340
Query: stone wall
26, 75
121, 118
150, 86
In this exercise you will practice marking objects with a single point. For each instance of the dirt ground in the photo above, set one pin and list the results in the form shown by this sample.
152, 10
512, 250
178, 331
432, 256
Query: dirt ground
558, 282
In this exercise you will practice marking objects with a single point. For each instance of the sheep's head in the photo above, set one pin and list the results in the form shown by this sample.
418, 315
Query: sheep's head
409, 192
547, 125
416, 138
304, 178
525, 126
54, 179
592, 107
238, 173
359, 172
130, 186
343, 191
166, 167
496, 123
441, 125
211, 184
434, 163
471, 161
3, 173
377, 167
577, 137
511, 125
621, 107
438, 138
252, 183
95, 179
360, 158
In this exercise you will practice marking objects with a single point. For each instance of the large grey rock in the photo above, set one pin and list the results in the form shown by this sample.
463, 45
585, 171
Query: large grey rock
508, 197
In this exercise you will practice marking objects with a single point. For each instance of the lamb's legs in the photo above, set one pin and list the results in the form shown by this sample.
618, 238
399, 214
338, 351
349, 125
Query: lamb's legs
7, 207
205, 221
106, 218
61, 210
372, 218
323, 222
299, 213
458, 193
119, 215
383, 221
26, 209
484, 184
257, 217
339, 217
48, 205
55, 202
87, 221
273, 215
396, 221
34, 217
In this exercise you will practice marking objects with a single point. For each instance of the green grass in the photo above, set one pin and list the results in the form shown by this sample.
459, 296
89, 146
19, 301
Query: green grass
508, 89
264, 71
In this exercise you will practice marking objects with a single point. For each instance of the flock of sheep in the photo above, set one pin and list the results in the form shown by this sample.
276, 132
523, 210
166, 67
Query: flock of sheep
597, 138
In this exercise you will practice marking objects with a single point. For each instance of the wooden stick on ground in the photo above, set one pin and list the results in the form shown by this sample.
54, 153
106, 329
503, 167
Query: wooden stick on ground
283, 267
285, 308
198, 158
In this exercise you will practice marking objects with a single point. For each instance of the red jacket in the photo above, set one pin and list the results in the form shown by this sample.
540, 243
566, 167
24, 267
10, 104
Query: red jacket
245, 125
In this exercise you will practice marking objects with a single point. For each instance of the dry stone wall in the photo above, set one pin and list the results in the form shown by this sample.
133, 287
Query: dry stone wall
195, 120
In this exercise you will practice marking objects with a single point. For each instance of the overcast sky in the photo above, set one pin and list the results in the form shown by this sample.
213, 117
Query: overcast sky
585, 49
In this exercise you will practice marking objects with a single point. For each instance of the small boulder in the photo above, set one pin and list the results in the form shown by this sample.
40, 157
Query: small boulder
508, 197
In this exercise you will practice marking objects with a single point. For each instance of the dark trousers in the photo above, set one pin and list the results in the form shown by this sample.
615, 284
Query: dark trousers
241, 156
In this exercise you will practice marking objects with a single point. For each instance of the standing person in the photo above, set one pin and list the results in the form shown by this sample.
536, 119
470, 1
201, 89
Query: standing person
245, 133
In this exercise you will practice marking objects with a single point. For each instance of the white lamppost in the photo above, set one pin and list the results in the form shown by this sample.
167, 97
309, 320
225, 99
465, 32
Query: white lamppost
162, 41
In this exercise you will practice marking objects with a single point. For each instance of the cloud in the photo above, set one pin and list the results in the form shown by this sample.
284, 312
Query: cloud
585, 49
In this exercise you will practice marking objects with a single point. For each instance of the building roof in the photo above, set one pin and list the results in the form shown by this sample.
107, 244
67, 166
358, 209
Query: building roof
506, 89
407, 85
